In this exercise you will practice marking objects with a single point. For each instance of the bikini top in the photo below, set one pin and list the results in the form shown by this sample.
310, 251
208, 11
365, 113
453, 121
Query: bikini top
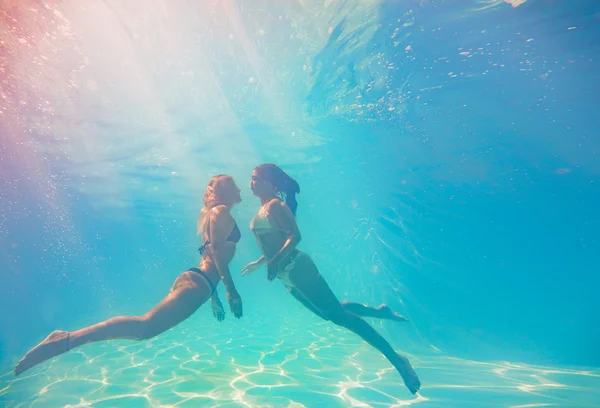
261, 221
234, 236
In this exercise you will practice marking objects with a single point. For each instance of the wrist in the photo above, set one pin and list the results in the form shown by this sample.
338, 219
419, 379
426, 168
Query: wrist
229, 287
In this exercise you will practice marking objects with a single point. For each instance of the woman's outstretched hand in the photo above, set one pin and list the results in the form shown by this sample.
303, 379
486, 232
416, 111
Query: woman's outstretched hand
251, 267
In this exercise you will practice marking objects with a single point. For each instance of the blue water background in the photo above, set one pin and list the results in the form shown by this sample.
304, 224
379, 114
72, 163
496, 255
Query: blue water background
474, 211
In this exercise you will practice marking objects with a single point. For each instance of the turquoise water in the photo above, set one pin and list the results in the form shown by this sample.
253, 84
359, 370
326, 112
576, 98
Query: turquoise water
285, 366
446, 154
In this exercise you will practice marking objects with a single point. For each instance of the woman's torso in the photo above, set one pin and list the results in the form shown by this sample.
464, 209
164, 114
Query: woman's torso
226, 252
269, 235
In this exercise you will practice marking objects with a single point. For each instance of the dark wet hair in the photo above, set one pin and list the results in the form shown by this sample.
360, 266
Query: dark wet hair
282, 182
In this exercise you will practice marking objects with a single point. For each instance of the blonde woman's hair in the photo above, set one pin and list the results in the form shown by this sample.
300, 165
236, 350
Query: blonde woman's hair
212, 198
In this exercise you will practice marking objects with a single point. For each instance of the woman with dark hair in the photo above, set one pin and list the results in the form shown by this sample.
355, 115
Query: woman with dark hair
277, 235
190, 290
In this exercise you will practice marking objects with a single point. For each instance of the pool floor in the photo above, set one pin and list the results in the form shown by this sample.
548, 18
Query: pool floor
201, 364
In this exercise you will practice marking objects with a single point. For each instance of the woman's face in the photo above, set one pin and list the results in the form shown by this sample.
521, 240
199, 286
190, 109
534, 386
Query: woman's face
259, 186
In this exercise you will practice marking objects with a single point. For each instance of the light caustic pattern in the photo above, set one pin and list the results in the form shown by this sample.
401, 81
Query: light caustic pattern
290, 366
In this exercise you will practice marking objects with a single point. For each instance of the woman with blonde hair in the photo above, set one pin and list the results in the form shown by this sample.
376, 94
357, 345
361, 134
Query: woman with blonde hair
190, 290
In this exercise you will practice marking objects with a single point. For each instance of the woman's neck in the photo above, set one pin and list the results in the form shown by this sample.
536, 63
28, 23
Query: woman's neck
266, 199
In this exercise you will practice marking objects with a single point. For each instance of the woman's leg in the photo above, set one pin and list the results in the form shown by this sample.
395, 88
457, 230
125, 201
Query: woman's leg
304, 301
310, 284
189, 291
381, 312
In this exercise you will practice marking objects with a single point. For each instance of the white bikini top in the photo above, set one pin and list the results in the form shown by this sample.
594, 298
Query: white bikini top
261, 221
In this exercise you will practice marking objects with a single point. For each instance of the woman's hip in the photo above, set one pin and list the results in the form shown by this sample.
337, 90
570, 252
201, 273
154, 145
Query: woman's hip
294, 264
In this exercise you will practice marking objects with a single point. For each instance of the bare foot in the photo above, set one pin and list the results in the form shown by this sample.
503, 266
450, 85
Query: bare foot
387, 313
411, 380
55, 344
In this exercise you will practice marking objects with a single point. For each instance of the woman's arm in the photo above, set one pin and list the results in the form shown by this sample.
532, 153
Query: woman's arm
253, 266
284, 217
221, 225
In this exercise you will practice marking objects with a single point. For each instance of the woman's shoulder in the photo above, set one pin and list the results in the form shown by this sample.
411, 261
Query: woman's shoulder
219, 209
220, 213
277, 207
275, 202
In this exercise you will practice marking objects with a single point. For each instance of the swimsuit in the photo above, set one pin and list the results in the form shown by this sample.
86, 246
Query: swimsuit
284, 269
234, 236
199, 272
261, 221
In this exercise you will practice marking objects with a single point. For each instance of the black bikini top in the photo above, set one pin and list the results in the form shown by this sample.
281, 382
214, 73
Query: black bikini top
234, 236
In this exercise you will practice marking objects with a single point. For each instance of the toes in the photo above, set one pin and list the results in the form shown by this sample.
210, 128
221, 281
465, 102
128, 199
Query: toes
398, 316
